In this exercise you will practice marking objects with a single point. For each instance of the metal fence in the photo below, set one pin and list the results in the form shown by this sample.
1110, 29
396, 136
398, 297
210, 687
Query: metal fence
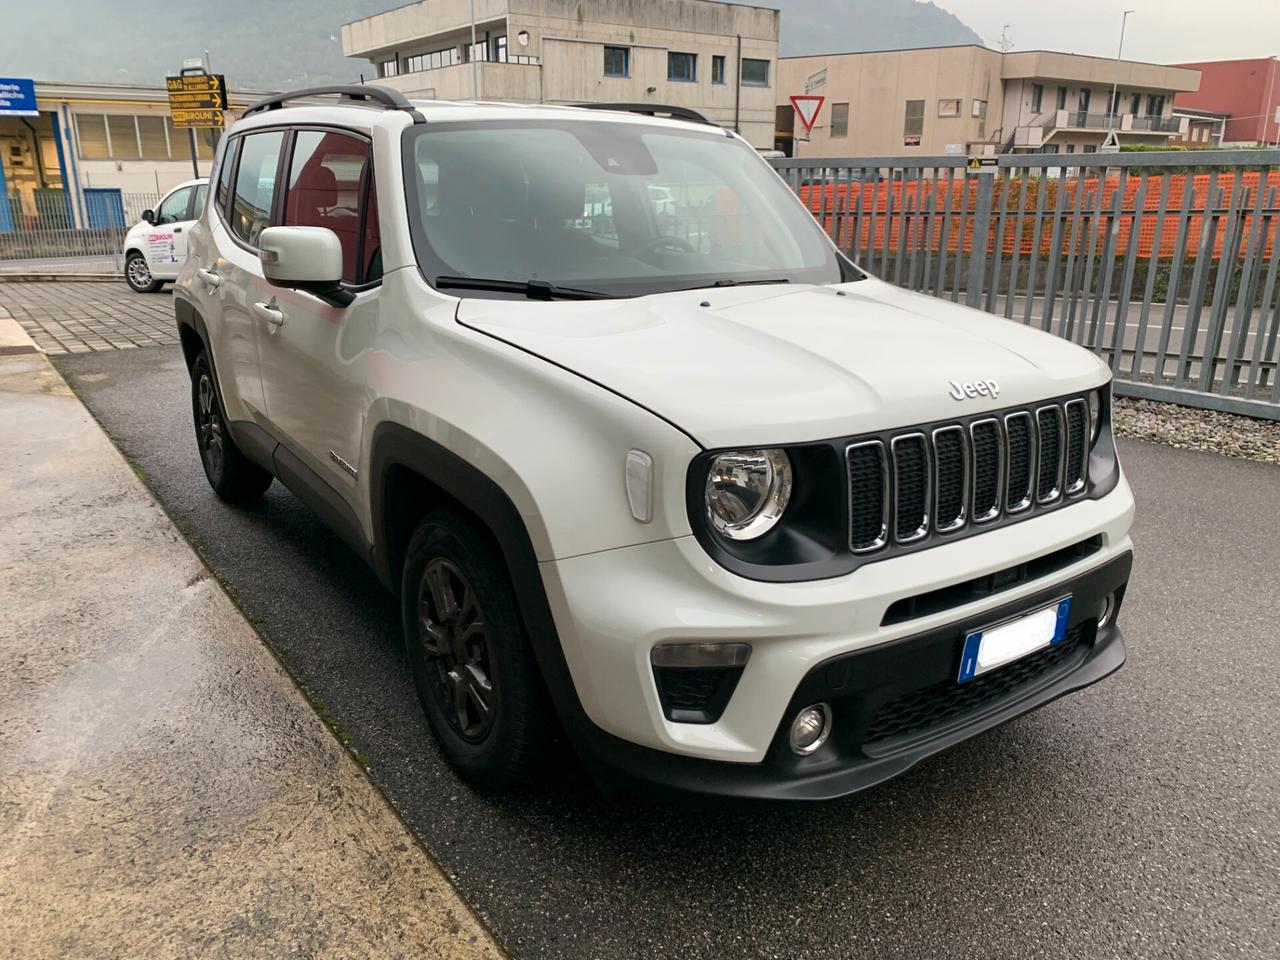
1164, 263
37, 231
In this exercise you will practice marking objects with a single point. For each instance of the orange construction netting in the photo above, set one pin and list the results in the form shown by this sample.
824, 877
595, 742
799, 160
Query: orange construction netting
920, 208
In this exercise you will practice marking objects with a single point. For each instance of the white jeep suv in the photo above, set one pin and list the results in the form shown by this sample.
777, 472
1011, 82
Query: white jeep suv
643, 455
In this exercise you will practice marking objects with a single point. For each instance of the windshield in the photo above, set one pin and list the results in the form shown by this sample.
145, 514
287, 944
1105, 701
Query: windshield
622, 209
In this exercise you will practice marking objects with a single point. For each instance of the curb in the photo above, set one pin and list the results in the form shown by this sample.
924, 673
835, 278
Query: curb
14, 341
47, 277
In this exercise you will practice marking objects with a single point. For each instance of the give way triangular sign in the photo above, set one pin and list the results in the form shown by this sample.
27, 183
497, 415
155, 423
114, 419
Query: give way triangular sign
807, 108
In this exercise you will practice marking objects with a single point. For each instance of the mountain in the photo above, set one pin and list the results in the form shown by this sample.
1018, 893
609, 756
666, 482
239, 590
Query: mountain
292, 43
842, 26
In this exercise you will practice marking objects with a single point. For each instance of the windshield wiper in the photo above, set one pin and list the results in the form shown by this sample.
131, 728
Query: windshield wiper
533, 289
734, 283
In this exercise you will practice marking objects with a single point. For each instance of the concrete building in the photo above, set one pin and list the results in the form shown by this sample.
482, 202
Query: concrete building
968, 99
1247, 92
719, 58
1205, 128
90, 149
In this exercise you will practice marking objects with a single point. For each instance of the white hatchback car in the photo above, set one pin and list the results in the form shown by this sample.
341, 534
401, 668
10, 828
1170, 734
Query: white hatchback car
681, 481
156, 246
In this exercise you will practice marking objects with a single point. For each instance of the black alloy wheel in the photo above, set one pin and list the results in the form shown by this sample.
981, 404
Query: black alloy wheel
454, 638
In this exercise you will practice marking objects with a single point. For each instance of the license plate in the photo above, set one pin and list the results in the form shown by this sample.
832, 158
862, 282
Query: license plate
1002, 643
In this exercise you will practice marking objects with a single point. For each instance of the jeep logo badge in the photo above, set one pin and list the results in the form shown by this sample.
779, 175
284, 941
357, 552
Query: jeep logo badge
977, 388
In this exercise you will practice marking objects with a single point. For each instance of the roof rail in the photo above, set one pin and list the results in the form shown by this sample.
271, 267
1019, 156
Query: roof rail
651, 110
365, 93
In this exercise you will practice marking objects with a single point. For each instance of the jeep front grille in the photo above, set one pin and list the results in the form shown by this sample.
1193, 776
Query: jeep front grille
907, 488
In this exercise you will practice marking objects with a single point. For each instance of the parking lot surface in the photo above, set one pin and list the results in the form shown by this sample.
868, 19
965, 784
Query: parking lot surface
1139, 818
84, 316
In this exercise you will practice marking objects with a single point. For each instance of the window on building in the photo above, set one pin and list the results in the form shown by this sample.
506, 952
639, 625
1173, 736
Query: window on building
180, 142
682, 66
755, 73
1049, 148
1135, 104
174, 207
1062, 98
433, 60
223, 198
155, 141
1115, 103
1155, 105
1090, 148
388, 68
500, 49
124, 138
1071, 148
255, 185
717, 68
1037, 97
617, 61
91, 132
913, 119
949, 108
840, 119
327, 183
1085, 96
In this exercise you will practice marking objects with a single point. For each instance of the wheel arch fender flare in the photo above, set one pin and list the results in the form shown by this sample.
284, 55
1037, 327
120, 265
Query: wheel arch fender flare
395, 446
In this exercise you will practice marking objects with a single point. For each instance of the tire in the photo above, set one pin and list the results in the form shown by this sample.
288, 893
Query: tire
234, 477
137, 274
470, 657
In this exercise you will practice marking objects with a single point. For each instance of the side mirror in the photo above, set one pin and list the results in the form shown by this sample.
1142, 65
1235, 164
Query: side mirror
149, 216
305, 258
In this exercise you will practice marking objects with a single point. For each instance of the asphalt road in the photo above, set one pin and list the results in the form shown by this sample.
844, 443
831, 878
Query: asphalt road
1139, 818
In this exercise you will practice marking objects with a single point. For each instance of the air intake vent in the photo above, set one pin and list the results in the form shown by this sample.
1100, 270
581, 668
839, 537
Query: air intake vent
988, 467
868, 496
951, 468
910, 487
1077, 446
1017, 428
1049, 485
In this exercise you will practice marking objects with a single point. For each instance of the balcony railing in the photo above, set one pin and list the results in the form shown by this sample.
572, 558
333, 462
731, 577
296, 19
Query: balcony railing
1093, 121
1157, 124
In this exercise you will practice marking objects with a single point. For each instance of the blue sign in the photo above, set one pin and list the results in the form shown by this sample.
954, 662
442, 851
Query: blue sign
17, 98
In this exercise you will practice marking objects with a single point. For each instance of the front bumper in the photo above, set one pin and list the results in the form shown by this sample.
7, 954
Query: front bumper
611, 608
893, 705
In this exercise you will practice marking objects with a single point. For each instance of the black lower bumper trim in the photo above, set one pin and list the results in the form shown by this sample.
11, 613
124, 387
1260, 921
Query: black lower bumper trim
893, 705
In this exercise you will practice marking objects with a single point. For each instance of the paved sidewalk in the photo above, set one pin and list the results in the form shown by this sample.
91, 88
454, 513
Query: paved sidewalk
165, 789
77, 317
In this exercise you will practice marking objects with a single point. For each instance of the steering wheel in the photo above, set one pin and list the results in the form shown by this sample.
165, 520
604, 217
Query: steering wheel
658, 243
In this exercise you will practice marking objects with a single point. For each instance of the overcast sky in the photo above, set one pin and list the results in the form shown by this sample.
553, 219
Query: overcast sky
1160, 31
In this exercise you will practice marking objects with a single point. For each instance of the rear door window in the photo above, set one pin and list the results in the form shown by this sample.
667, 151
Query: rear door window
255, 185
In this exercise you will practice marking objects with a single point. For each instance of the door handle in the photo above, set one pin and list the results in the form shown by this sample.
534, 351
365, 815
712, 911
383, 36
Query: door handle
209, 277
270, 313
177, 229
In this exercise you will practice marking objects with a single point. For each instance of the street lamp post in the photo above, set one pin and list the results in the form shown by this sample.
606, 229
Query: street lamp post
1114, 105
475, 66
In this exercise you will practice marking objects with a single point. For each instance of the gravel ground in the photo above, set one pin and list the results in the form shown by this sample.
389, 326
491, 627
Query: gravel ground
1192, 429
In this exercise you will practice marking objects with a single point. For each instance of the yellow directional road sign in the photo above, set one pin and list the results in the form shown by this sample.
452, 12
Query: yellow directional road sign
197, 99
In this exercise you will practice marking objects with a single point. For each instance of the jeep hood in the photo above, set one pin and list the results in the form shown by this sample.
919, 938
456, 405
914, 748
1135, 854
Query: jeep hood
784, 364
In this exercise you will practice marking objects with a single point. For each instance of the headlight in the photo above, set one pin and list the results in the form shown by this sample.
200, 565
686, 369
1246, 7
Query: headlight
1095, 415
747, 492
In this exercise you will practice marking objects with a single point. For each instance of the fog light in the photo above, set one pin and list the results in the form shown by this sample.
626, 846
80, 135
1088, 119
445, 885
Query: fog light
810, 728
1105, 609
